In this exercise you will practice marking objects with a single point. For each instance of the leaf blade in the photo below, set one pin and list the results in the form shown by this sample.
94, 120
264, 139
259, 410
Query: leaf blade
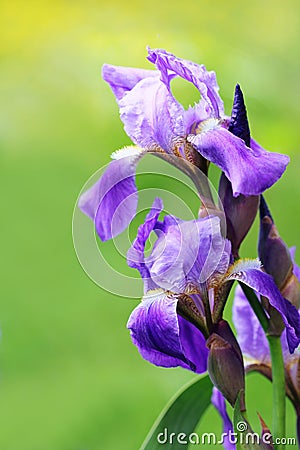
181, 415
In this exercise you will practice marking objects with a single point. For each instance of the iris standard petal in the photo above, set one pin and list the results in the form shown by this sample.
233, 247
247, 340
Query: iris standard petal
112, 201
219, 403
205, 81
190, 252
194, 114
135, 255
123, 79
155, 330
250, 335
152, 117
251, 171
263, 284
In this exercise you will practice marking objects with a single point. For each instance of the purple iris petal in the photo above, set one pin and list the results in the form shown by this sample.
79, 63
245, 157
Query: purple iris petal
251, 171
193, 344
195, 114
204, 80
250, 335
219, 403
189, 252
112, 201
151, 115
264, 284
123, 79
155, 330
166, 223
135, 255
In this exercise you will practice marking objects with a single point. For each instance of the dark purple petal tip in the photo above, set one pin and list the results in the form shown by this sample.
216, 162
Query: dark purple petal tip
264, 209
239, 125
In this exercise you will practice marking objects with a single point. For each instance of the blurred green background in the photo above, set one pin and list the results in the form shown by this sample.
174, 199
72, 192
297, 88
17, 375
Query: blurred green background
70, 377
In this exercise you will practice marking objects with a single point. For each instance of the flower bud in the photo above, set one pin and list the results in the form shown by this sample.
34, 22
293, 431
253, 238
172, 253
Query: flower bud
240, 211
225, 363
291, 291
275, 256
239, 125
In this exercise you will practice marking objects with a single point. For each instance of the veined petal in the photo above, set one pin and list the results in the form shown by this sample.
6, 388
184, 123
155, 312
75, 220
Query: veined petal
194, 114
168, 221
189, 253
152, 117
155, 330
135, 255
250, 170
264, 285
193, 344
112, 201
205, 81
250, 335
219, 403
123, 79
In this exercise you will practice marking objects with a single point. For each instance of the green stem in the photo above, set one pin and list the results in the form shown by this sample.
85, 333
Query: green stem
199, 179
278, 383
278, 375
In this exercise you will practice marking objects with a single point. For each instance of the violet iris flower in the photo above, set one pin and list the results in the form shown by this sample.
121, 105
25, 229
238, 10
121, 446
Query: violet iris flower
254, 345
253, 341
157, 123
186, 279
219, 403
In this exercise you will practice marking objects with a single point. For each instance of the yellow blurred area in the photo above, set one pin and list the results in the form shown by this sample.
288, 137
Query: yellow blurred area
56, 49
31, 24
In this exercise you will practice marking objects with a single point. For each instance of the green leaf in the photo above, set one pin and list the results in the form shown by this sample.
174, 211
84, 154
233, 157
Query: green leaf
180, 416
246, 438
241, 428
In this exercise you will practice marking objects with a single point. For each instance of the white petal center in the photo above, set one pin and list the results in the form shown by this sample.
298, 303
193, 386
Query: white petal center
131, 150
